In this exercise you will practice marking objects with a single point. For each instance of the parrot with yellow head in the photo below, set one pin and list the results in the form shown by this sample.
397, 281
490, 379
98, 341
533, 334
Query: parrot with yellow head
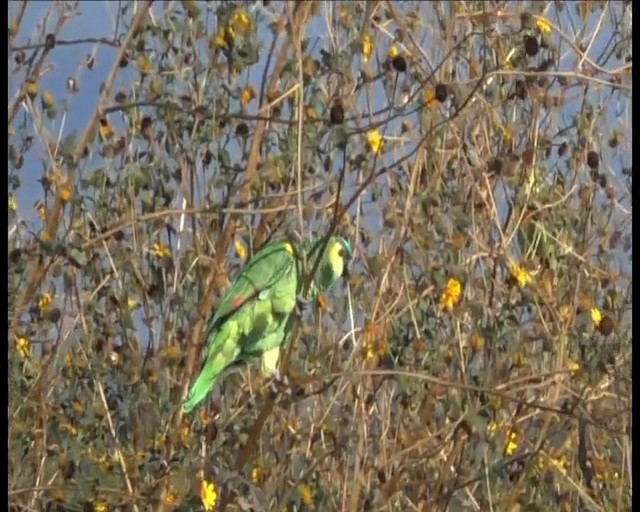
252, 320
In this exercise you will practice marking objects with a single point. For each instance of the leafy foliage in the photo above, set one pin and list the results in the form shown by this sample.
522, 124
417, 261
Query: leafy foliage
475, 153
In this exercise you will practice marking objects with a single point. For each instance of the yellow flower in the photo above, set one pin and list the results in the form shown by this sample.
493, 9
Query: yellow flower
140, 456
607, 475
344, 15
185, 435
373, 343
170, 353
58, 494
596, 316
240, 249
543, 25
247, 94
565, 313
492, 428
376, 348
560, 464
518, 359
99, 506
370, 352
477, 342
393, 51
573, 367
322, 302
104, 461
512, 444
65, 192
44, 301
306, 494
310, 112
507, 136
208, 495
144, 64
132, 303
220, 40
69, 428
429, 97
13, 204
541, 461
160, 251
520, 274
23, 346
204, 416
152, 376
171, 498
256, 474
158, 442
367, 47
106, 129
241, 21
451, 294
374, 140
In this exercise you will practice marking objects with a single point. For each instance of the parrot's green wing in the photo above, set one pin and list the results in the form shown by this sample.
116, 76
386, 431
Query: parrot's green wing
263, 271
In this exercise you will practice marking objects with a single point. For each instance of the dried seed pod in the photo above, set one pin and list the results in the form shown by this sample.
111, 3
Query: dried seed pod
336, 113
593, 159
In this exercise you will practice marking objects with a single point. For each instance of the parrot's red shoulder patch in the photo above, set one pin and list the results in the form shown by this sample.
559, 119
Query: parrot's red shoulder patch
238, 301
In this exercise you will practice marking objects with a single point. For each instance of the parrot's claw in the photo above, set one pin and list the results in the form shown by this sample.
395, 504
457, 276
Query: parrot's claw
301, 305
280, 383
281, 378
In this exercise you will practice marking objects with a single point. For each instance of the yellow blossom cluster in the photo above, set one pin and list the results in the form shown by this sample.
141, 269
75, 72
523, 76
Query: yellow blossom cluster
239, 23
375, 141
160, 251
208, 495
519, 274
544, 461
374, 343
511, 438
451, 294
241, 249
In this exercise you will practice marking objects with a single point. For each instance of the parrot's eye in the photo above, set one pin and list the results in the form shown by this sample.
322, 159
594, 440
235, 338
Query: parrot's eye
341, 252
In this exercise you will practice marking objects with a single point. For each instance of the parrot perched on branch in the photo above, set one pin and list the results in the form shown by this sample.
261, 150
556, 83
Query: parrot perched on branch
252, 319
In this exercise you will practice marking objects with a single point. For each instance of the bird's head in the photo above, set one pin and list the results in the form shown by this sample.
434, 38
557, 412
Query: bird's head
334, 262
340, 254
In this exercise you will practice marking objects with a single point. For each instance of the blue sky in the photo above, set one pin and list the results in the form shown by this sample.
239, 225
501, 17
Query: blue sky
98, 19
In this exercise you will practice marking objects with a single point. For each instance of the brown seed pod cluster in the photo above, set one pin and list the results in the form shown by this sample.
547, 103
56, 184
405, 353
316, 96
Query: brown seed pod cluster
606, 325
399, 63
336, 113
49, 41
441, 92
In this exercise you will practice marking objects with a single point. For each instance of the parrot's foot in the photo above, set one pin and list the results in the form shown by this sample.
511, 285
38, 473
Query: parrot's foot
280, 384
301, 305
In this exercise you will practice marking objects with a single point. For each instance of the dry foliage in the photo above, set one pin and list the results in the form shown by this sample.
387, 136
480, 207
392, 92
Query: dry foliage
477, 154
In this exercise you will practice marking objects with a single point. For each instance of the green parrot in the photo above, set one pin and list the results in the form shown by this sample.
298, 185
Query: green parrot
252, 319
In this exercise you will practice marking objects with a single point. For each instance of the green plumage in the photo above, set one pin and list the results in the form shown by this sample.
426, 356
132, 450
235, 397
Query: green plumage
252, 318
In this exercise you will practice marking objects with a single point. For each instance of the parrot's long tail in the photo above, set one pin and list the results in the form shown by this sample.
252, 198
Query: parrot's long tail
205, 381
